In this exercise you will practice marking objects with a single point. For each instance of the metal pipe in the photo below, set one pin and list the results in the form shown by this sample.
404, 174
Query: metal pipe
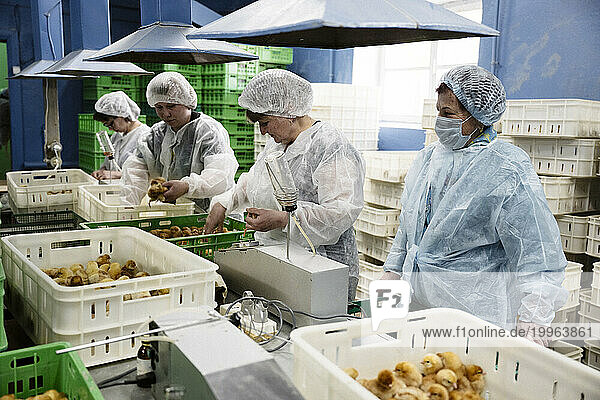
288, 235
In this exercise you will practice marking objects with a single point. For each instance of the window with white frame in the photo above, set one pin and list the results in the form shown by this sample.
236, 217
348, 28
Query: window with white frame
408, 73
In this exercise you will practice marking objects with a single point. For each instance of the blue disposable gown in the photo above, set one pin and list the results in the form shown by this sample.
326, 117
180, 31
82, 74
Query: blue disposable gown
492, 246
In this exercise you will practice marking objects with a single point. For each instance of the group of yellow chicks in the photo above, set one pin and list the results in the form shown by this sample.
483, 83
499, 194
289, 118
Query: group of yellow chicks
98, 271
177, 232
48, 395
443, 377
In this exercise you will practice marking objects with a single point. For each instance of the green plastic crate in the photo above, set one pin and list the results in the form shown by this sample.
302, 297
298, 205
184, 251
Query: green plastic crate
238, 127
3, 340
118, 82
95, 92
225, 111
34, 370
221, 97
182, 69
254, 67
241, 142
244, 157
90, 162
219, 69
275, 55
204, 245
224, 82
87, 124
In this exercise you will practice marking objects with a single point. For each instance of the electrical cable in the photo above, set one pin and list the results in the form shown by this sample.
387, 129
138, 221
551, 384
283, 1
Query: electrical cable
304, 234
111, 384
326, 316
114, 378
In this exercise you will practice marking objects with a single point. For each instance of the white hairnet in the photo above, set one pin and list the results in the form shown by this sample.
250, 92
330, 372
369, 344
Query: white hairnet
279, 93
171, 87
478, 90
118, 104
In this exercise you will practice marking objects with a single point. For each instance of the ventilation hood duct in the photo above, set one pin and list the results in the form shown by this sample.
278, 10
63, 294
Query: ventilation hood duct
166, 42
339, 24
74, 64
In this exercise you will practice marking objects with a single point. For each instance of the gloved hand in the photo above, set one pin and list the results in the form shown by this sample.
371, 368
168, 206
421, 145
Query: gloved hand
529, 328
265, 220
176, 189
215, 218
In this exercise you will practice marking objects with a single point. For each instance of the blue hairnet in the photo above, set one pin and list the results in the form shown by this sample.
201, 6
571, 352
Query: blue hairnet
478, 90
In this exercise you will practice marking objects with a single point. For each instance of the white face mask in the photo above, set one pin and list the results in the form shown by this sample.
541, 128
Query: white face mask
449, 131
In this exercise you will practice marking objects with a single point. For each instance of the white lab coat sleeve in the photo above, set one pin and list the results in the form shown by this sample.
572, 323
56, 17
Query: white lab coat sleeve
215, 178
339, 179
531, 238
135, 180
236, 198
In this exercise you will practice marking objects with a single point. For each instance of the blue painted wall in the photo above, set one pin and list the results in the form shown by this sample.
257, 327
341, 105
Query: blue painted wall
547, 48
323, 66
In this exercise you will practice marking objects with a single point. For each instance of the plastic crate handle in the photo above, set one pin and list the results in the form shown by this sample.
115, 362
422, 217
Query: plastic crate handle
151, 214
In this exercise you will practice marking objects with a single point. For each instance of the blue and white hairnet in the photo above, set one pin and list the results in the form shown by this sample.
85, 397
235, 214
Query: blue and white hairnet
279, 93
478, 90
117, 104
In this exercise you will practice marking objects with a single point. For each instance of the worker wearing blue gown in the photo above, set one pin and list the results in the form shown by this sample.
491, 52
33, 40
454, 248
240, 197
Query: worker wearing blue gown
476, 232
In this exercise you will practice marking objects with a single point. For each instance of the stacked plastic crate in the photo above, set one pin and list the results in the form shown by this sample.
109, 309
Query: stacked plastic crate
223, 84
90, 154
590, 313
353, 109
377, 223
561, 136
94, 88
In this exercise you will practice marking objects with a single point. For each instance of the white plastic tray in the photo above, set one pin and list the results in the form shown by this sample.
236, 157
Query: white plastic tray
385, 194
593, 356
588, 307
552, 117
515, 368
389, 166
374, 246
378, 221
566, 195
45, 190
104, 203
50, 312
573, 233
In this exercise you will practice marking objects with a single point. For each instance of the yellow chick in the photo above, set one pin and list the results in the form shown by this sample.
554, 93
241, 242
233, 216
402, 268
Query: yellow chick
428, 380
475, 375
438, 392
431, 363
446, 378
452, 361
8, 397
464, 395
382, 385
411, 393
464, 384
352, 372
408, 373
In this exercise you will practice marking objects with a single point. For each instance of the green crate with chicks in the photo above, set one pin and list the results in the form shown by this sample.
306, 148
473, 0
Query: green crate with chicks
187, 230
38, 370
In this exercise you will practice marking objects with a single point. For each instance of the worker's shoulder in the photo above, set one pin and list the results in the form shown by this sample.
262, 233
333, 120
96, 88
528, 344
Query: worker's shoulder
331, 139
511, 154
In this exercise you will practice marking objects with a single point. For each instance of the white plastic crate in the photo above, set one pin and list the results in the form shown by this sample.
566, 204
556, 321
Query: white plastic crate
588, 307
593, 237
362, 293
593, 356
572, 276
566, 315
514, 367
385, 194
104, 203
370, 270
573, 233
362, 139
378, 221
45, 190
596, 274
374, 246
567, 195
388, 166
568, 350
429, 114
552, 117
50, 312
430, 137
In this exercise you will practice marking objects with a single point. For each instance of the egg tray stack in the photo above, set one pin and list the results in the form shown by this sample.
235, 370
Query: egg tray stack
222, 86
91, 157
